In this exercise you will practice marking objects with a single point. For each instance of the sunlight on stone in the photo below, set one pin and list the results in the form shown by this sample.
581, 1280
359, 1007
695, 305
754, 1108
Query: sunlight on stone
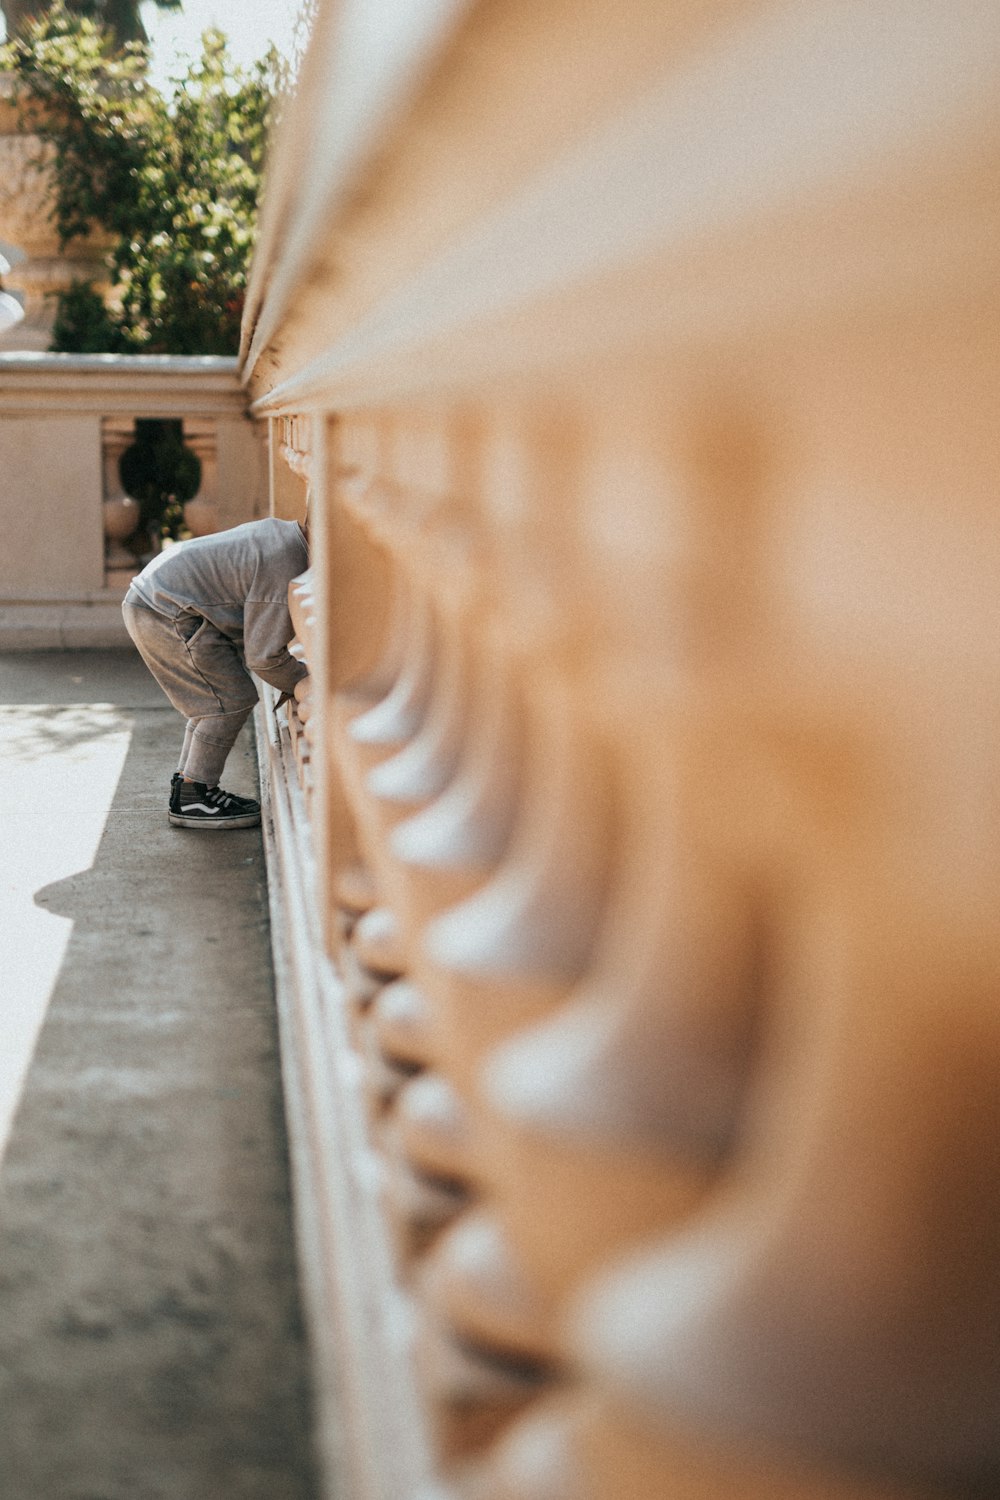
86, 746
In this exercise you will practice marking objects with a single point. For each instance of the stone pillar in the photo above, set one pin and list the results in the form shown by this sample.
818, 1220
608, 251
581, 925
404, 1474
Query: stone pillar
201, 512
25, 208
121, 512
294, 449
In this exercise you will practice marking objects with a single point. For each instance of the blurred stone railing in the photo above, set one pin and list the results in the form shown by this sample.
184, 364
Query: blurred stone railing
636, 910
65, 421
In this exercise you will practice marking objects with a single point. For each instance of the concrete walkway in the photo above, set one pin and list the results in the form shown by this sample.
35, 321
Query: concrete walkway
150, 1340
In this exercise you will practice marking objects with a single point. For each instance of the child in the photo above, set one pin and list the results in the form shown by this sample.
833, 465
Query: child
204, 614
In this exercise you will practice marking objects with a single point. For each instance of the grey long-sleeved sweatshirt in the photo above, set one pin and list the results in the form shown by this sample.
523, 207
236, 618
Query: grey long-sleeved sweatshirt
238, 580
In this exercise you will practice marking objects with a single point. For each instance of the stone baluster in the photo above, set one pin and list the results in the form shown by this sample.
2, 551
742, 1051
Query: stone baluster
399, 727
381, 718
511, 949
433, 755
120, 511
438, 855
372, 729
412, 744
201, 512
405, 746
820, 1325
448, 849
375, 723
443, 854
614, 1116
295, 447
301, 708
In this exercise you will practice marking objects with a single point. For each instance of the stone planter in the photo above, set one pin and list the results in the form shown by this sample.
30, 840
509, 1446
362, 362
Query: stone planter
121, 517
201, 517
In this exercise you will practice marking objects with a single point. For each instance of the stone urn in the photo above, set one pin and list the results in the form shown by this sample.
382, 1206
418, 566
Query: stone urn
121, 517
200, 516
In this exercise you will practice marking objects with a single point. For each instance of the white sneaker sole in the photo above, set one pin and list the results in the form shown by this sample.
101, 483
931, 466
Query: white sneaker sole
243, 820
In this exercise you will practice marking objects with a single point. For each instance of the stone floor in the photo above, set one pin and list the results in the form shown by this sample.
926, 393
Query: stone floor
151, 1345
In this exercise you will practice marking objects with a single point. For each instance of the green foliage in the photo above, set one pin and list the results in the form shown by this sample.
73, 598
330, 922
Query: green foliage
83, 324
174, 183
122, 17
161, 473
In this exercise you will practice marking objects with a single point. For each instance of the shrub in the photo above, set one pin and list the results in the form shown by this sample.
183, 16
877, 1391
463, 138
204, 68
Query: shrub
161, 473
83, 324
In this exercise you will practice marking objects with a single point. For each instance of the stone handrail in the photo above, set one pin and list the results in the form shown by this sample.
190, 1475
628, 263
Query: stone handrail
636, 912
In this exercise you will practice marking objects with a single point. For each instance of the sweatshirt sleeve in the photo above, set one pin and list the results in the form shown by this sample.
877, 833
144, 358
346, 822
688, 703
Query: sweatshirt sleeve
267, 630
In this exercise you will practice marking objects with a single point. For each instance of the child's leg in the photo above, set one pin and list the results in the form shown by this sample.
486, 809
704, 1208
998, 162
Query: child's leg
203, 675
207, 743
186, 746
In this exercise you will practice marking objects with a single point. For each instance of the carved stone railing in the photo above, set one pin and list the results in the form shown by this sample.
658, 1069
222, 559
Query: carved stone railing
65, 422
634, 865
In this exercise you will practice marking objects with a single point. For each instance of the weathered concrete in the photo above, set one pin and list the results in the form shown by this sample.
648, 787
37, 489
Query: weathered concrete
150, 1340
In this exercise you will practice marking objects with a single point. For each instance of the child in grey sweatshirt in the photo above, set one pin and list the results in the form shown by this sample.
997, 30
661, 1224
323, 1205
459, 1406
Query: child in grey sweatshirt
204, 614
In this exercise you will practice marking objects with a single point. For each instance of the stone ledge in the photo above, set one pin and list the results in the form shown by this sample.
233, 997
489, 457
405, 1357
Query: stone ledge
370, 1427
138, 385
62, 625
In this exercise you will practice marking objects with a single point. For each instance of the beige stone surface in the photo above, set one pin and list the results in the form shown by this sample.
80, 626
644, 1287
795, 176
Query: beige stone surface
51, 507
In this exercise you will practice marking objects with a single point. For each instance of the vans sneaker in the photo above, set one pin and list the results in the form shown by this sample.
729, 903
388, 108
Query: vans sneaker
195, 805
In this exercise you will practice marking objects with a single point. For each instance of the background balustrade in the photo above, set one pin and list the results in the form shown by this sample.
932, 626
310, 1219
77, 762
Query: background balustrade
66, 421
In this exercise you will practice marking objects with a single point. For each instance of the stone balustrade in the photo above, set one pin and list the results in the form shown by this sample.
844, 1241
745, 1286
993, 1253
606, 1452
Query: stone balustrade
65, 423
632, 849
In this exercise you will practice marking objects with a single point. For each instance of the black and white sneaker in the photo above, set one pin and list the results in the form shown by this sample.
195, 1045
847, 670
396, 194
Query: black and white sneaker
195, 805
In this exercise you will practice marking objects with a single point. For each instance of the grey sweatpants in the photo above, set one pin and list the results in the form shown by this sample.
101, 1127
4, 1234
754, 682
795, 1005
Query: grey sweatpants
202, 673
